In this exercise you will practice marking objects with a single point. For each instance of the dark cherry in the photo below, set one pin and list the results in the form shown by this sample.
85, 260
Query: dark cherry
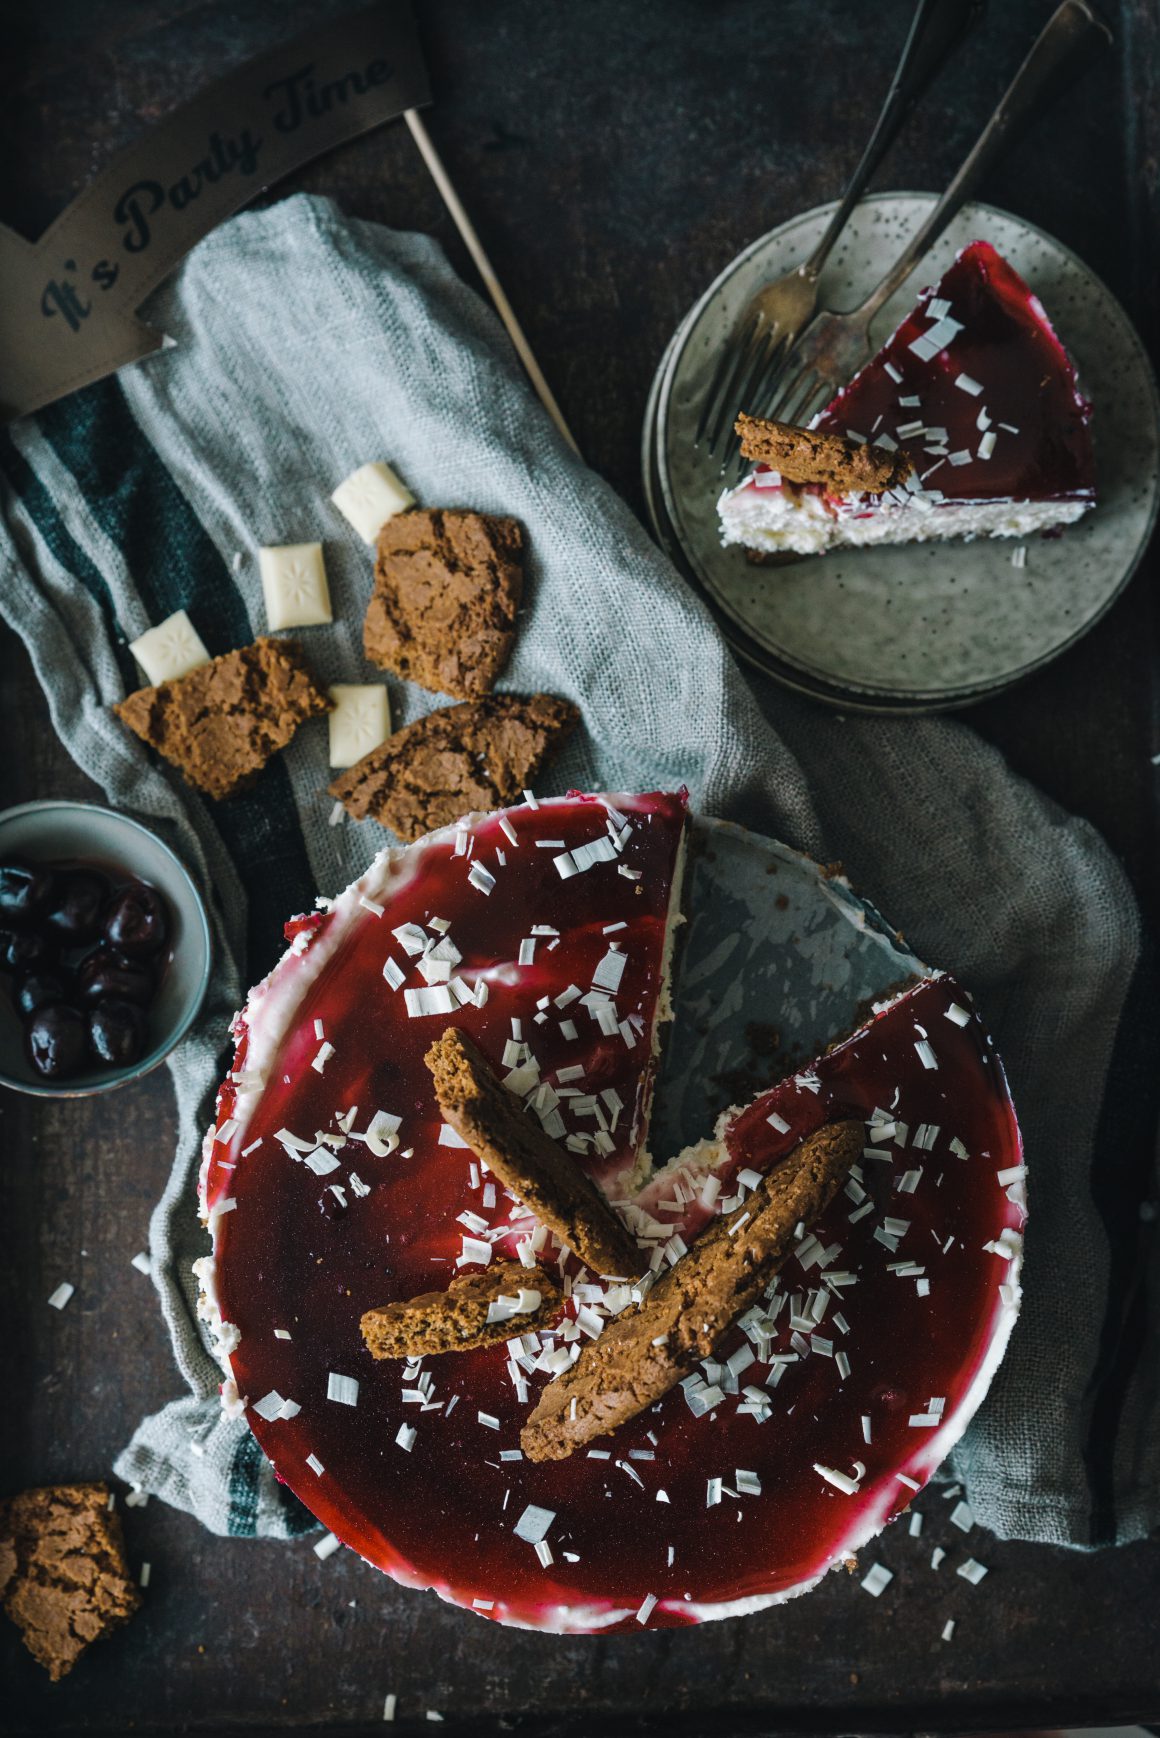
57, 1038
107, 973
135, 921
73, 913
40, 988
25, 890
26, 950
116, 1032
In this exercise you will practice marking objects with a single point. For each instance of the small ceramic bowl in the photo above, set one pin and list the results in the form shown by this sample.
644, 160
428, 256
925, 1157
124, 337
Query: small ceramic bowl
52, 832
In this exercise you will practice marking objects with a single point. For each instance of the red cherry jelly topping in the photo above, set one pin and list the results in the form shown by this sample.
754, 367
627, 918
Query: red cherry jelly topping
422, 1475
1027, 400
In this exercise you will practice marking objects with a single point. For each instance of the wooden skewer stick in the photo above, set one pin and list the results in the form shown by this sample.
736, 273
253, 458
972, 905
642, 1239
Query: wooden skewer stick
486, 271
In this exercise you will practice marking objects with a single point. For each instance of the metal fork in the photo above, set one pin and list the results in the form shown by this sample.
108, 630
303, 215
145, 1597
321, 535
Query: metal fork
834, 346
779, 312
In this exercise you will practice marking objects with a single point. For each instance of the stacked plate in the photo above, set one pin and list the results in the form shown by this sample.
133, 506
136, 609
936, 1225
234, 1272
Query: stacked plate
924, 626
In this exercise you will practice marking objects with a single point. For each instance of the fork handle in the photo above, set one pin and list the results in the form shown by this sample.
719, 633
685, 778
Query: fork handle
936, 30
1070, 35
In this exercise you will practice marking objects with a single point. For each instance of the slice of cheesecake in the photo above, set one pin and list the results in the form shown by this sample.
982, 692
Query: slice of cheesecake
975, 399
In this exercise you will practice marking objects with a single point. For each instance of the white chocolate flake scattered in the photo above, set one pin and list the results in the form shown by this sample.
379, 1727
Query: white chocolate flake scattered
534, 1524
877, 1580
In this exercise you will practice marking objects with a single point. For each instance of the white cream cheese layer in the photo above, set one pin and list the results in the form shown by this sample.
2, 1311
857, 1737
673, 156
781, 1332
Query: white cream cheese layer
784, 520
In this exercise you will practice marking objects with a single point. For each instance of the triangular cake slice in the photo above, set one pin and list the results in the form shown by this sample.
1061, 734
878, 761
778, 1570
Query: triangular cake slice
544, 931
977, 392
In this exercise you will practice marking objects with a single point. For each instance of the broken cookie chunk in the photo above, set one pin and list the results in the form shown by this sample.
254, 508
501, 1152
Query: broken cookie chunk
447, 589
477, 1309
837, 464
479, 755
69, 1584
527, 1161
642, 1354
220, 724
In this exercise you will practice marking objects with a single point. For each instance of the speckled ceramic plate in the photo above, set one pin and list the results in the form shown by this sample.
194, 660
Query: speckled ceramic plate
925, 625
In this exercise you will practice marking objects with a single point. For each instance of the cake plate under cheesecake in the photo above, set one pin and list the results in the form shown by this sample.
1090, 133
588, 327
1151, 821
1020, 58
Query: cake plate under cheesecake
925, 627
823, 1412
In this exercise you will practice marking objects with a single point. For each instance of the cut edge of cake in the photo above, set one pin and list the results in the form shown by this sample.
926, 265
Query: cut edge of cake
794, 520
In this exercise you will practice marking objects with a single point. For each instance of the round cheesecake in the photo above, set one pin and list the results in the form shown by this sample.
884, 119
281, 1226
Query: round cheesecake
332, 1186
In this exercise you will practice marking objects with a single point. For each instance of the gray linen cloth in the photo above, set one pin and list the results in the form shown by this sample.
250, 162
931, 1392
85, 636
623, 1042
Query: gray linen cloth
307, 343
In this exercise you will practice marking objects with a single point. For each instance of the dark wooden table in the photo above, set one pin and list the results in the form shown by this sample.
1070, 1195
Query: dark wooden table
614, 157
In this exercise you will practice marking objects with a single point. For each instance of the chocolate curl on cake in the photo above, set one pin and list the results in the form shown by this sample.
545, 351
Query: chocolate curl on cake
477, 1309
834, 463
683, 1319
526, 1160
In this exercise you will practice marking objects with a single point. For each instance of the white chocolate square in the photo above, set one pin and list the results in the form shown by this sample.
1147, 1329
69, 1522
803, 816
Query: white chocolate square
360, 721
370, 496
173, 648
294, 582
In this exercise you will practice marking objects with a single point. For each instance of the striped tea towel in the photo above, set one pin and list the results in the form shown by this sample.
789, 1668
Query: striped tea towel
308, 343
